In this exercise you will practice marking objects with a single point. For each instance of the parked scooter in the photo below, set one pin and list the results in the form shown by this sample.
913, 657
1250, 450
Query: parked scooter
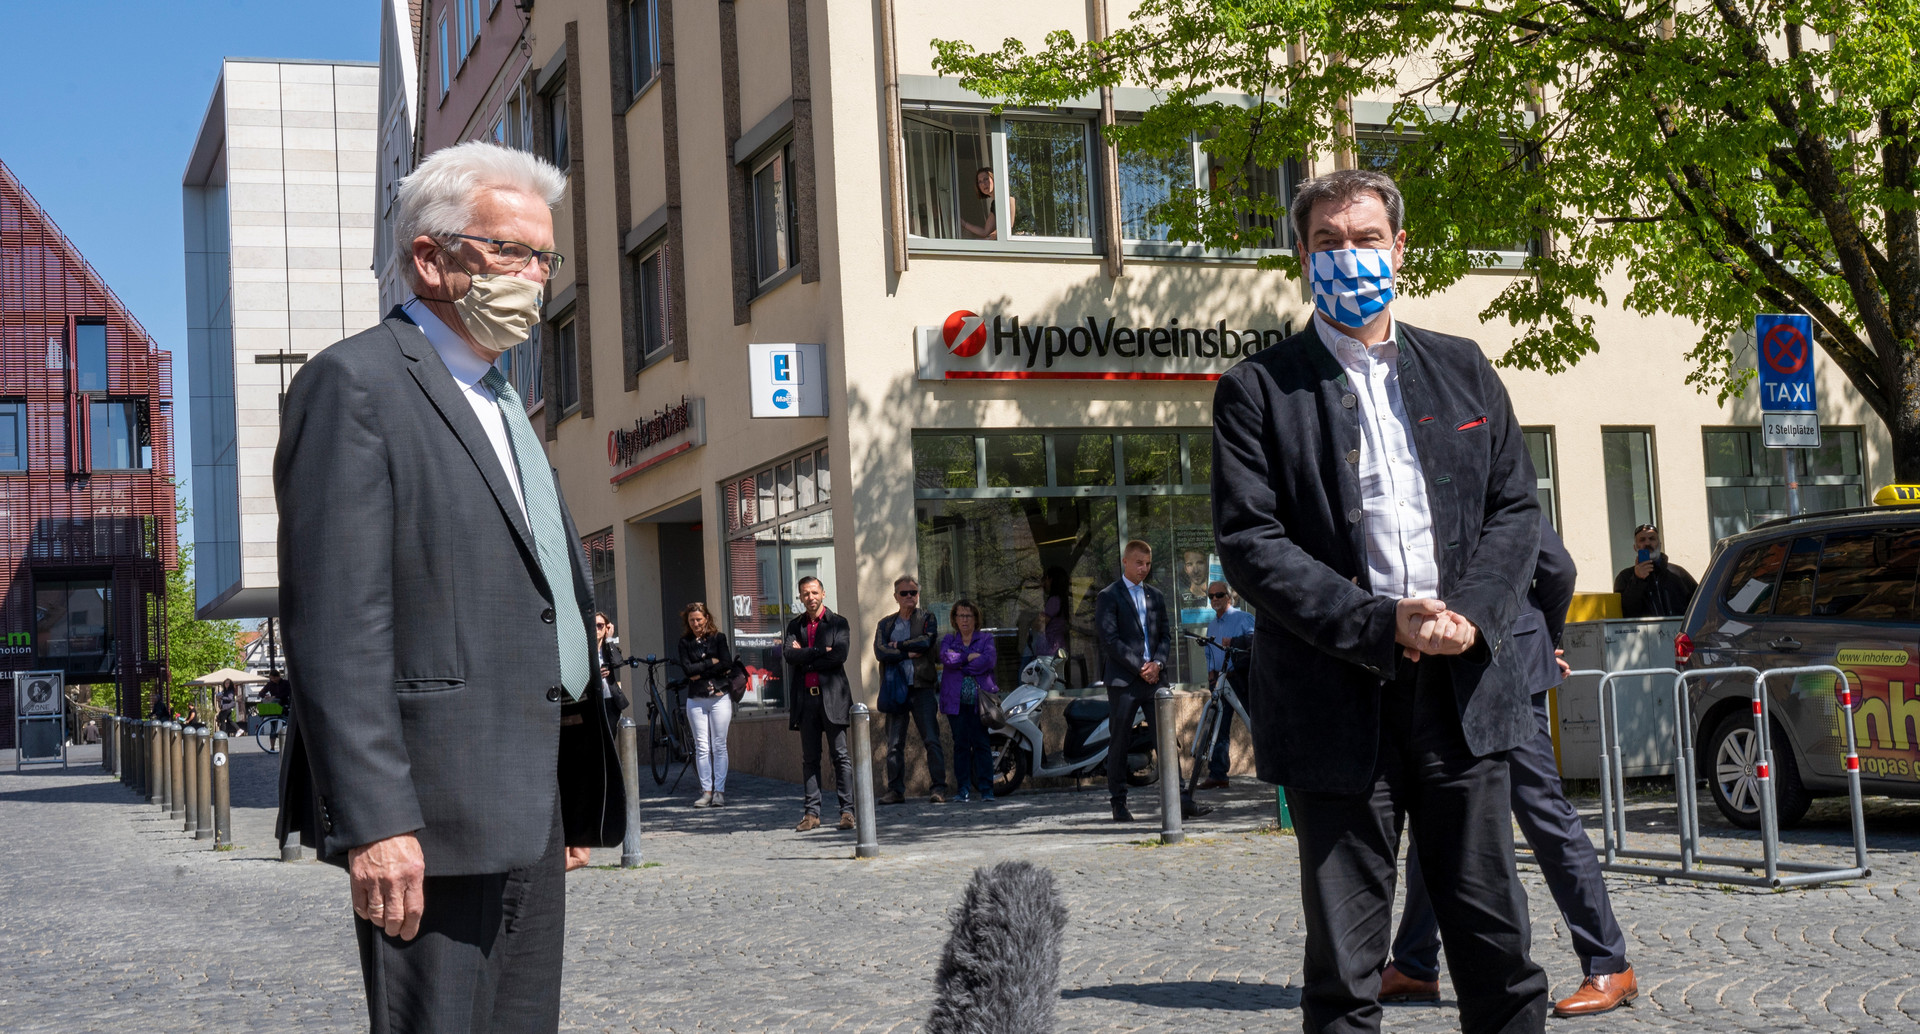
1019, 746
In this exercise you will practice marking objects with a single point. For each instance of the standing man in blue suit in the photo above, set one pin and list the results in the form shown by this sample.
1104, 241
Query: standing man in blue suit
1550, 824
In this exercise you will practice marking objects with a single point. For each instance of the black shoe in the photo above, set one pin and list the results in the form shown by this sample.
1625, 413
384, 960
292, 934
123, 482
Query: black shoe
1190, 810
1120, 812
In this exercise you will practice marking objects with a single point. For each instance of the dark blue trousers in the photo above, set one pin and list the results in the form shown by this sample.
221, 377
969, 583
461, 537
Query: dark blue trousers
1559, 841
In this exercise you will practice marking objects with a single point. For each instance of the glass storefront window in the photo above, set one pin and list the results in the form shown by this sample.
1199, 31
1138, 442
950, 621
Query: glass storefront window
770, 547
1627, 460
1034, 558
73, 625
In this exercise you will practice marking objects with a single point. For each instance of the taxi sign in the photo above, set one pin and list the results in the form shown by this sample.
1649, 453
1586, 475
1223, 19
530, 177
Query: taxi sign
1897, 495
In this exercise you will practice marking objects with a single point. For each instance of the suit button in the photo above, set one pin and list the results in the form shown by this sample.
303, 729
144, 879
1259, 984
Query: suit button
1354, 515
1347, 401
547, 615
1353, 455
553, 694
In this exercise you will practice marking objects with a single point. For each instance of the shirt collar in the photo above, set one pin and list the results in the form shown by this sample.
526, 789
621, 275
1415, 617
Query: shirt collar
1133, 586
462, 361
1346, 348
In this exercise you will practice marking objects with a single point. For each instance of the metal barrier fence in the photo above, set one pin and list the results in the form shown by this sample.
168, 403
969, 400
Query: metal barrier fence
1689, 861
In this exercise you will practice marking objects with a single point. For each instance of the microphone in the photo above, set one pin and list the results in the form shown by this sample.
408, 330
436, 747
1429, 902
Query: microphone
1000, 972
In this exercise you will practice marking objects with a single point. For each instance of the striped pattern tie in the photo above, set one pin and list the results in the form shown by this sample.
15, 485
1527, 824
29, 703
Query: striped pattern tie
549, 534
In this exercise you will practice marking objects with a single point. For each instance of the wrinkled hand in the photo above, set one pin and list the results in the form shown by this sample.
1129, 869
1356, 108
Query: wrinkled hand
1426, 627
1411, 617
1150, 671
388, 884
1643, 571
578, 857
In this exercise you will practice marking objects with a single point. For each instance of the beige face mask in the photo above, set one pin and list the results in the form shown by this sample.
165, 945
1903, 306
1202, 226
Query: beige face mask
499, 310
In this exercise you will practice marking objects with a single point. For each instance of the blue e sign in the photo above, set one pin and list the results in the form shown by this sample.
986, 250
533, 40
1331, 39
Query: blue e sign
786, 368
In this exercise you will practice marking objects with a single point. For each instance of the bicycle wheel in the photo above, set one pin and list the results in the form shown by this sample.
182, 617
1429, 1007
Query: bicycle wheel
657, 755
269, 734
683, 737
1205, 734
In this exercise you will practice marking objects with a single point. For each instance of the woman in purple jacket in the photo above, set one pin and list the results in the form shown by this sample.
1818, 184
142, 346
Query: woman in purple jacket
966, 671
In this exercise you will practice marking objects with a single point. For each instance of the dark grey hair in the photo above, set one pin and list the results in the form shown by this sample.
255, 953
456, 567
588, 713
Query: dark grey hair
1339, 187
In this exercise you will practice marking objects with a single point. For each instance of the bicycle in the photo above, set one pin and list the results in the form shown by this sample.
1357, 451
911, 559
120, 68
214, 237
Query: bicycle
1213, 714
270, 727
670, 738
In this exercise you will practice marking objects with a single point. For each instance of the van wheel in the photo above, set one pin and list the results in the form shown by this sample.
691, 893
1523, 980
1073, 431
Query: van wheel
1734, 750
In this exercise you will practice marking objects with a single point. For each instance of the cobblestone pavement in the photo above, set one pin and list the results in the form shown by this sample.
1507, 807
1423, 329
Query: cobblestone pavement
112, 919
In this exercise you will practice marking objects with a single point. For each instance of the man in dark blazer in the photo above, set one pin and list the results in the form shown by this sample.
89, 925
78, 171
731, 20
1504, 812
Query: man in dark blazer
1130, 618
1373, 500
450, 744
1550, 824
815, 649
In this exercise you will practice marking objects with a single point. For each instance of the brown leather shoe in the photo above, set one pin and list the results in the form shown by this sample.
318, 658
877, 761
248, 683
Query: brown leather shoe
846, 820
1397, 988
807, 822
1212, 784
1602, 992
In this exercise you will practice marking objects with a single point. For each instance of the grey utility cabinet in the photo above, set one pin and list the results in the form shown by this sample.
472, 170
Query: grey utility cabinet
1646, 704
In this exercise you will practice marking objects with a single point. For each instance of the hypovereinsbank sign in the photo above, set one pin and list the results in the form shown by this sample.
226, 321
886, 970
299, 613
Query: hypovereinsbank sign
970, 346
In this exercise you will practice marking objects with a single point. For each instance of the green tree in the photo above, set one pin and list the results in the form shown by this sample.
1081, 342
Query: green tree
194, 647
1727, 156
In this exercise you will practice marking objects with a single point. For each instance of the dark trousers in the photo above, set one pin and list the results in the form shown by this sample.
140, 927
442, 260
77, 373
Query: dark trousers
923, 710
972, 751
1559, 841
487, 958
1457, 806
814, 728
1122, 701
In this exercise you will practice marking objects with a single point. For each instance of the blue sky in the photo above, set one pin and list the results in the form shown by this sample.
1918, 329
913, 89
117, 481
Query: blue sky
103, 107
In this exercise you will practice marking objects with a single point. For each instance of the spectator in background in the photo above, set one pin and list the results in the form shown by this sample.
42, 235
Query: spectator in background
278, 693
967, 656
903, 643
1232, 628
611, 660
1654, 587
816, 647
228, 698
709, 665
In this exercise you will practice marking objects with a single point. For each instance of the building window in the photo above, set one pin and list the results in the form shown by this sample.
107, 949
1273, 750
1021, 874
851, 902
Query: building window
949, 159
73, 625
566, 367
1049, 178
1029, 525
1148, 180
599, 549
474, 18
90, 356
1627, 462
13, 435
1747, 483
558, 151
120, 437
643, 49
446, 57
1540, 450
775, 214
521, 364
650, 280
779, 530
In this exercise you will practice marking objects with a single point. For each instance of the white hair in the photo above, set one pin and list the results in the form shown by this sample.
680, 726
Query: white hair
437, 199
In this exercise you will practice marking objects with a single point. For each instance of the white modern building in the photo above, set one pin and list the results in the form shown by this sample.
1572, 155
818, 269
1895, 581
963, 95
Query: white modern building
278, 203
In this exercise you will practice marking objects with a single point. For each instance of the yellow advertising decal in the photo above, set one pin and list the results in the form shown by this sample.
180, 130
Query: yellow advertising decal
1872, 659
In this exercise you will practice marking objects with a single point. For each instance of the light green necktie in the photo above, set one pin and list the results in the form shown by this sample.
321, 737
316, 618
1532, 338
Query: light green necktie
549, 534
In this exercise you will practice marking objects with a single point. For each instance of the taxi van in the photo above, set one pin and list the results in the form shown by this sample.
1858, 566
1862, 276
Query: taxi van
1835, 587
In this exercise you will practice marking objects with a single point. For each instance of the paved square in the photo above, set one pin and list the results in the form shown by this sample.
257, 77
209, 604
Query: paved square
111, 919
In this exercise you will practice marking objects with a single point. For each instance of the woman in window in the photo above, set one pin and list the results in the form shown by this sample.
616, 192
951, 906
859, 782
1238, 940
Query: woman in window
986, 230
709, 666
966, 660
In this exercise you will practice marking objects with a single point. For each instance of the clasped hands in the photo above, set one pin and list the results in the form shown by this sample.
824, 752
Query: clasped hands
389, 882
1426, 627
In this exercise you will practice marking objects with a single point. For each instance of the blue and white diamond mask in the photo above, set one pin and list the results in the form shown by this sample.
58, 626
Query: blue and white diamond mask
1353, 285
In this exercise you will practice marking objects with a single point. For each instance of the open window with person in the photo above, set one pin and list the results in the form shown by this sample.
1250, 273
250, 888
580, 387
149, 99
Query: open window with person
950, 175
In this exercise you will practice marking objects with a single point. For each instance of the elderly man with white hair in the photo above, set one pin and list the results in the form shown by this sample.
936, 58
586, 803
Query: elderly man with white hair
451, 745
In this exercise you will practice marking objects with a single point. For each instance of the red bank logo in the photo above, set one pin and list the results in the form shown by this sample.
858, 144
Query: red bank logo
965, 334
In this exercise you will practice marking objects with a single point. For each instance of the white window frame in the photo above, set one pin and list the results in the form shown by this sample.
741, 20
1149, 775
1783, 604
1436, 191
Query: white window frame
788, 208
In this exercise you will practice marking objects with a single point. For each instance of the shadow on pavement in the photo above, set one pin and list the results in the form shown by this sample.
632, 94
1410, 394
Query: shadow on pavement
1196, 994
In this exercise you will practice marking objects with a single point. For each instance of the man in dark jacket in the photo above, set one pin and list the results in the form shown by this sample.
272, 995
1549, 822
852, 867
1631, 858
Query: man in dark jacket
904, 645
1130, 618
815, 650
1373, 500
1655, 587
1550, 824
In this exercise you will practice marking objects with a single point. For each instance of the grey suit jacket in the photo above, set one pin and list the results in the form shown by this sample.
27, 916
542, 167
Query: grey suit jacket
420, 629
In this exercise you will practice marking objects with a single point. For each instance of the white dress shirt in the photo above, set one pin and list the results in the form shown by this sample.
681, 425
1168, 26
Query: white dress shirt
467, 368
1398, 529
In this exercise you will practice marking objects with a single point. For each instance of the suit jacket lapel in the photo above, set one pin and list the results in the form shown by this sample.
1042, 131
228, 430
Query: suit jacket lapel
1342, 422
432, 376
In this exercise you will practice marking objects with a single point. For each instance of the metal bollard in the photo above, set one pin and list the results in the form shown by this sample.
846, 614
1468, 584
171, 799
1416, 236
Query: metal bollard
222, 795
203, 829
290, 847
176, 770
151, 752
163, 747
190, 798
109, 728
629, 742
1166, 758
867, 844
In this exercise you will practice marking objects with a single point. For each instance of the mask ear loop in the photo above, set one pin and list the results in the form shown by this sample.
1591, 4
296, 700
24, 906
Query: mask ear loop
463, 268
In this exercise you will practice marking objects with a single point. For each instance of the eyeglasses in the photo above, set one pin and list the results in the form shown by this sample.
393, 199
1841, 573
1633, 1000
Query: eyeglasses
513, 256
906, 592
1216, 595
1644, 527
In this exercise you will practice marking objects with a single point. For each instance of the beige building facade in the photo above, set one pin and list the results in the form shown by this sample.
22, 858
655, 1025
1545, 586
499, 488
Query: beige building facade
1001, 412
